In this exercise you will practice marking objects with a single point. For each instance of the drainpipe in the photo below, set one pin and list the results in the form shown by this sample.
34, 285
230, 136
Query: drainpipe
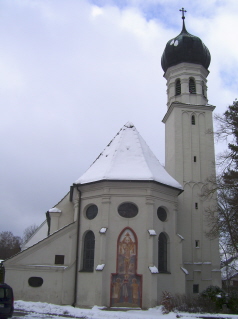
77, 251
48, 219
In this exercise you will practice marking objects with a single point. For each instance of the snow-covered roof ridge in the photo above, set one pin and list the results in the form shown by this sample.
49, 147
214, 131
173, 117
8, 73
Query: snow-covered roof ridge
54, 210
127, 157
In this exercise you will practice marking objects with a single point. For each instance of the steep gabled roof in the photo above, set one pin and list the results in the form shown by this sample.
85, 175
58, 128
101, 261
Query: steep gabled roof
127, 157
48, 238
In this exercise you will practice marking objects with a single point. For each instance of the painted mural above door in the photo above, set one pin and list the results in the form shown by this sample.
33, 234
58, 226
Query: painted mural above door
126, 284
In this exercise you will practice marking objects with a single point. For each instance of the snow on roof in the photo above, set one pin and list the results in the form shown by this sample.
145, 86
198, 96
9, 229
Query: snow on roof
185, 270
180, 236
152, 232
100, 267
48, 266
153, 269
127, 157
103, 230
54, 210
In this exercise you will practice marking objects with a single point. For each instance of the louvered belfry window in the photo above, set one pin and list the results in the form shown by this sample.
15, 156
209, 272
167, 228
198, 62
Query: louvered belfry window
162, 265
192, 86
203, 89
177, 87
88, 254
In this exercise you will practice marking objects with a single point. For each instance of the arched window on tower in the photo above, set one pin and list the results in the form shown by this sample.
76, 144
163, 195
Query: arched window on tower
192, 86
88, 251
203, 89
163, 253
177, 87
193, 121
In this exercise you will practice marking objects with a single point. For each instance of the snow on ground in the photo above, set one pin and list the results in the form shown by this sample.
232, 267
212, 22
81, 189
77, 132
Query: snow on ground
98, 313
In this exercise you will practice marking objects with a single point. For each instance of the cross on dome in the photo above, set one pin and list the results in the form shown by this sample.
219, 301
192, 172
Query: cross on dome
183, 11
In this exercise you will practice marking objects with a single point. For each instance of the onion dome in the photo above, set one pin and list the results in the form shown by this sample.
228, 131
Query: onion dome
185, 48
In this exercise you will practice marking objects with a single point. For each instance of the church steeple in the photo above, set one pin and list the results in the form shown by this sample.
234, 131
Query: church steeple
185, 47
186, 54
189, 152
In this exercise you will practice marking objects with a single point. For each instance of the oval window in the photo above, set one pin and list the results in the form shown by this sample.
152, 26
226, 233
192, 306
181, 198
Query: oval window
128, 210
161, 213
92, 212
35, 281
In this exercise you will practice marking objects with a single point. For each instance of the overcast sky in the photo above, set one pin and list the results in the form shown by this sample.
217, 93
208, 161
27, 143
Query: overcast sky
73, 72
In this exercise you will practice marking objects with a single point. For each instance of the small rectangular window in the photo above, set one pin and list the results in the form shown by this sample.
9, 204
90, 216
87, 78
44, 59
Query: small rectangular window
2, 295
196, 205
197, 243
195, 289
59, 259
194, 159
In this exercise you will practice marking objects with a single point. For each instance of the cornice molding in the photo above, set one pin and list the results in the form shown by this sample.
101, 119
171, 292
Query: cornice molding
187, 107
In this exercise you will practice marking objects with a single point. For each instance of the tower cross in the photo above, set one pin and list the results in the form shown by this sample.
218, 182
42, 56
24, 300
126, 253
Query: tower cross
183, 11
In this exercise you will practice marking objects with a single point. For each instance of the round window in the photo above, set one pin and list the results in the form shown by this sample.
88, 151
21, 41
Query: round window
161, 213
128, 210
35, 281
92, 212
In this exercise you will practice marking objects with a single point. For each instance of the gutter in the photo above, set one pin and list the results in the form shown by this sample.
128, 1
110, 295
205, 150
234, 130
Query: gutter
77, 249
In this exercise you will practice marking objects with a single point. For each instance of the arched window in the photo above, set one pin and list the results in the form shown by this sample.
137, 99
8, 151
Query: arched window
162, 254
88, 252
203, 89
193, 122
192, 86
177, 87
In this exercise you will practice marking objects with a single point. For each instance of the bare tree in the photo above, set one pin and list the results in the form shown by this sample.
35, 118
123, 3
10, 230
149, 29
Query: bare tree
9, 244
28, 232
223, 217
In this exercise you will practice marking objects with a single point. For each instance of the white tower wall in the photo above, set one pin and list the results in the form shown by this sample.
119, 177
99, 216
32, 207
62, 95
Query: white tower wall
190, 159
184, 71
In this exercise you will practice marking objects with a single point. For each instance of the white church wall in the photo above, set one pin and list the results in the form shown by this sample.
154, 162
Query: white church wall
53, 290
174, 143
207, 146
39, 261
67, 214
147, 197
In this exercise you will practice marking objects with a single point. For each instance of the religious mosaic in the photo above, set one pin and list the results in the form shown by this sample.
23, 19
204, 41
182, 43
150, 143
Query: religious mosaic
126, 284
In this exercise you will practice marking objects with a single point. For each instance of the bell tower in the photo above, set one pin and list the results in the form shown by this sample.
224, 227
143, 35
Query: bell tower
189, 152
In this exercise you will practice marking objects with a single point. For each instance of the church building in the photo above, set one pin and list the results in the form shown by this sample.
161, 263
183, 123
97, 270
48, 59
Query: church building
129, 228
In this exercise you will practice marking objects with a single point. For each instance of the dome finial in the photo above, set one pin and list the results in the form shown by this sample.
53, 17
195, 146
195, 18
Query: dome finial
185, 47
183, 17
182, 10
